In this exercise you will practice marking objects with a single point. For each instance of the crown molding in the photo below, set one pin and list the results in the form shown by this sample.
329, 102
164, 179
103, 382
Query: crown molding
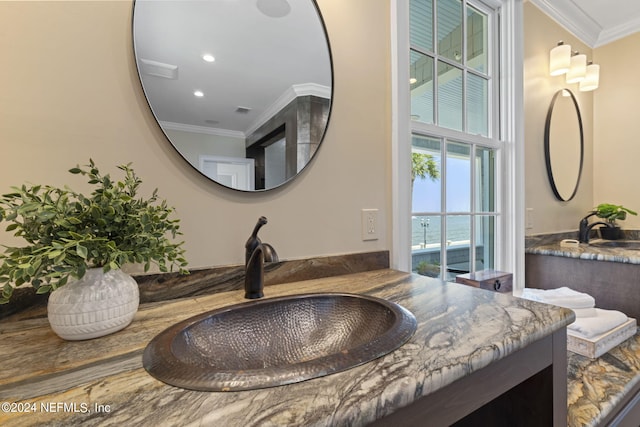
612, 34
572, 18
577, 22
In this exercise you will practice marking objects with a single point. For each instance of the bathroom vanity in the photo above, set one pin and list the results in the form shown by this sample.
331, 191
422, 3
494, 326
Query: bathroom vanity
605, 390
476, 356
608, 273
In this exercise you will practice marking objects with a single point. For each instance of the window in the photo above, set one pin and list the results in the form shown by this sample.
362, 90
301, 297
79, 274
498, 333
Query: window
454, 130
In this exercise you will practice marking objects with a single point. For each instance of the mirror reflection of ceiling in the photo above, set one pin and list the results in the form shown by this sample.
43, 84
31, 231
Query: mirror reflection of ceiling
595, 22
246, 76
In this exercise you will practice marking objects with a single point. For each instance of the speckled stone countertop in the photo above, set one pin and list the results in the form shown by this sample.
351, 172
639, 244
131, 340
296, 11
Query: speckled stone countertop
546, 246
101, 382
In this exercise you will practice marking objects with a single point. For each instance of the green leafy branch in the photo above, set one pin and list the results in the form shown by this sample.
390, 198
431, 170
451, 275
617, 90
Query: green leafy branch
68, 232
422, 166
611, 213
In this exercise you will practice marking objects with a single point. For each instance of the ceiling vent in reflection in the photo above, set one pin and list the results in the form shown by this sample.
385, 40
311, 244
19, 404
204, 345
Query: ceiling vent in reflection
159, 69
243, 110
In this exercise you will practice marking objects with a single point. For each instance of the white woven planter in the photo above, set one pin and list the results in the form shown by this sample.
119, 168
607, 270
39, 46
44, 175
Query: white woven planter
96, 305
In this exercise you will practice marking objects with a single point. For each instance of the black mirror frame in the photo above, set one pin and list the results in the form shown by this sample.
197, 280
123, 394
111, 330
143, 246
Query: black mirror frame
547, 151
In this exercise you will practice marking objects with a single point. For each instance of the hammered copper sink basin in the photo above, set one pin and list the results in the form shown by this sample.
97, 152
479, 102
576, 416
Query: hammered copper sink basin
277, 341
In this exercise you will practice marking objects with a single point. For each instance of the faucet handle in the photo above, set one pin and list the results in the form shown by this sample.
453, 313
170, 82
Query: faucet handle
254, 235
253, 241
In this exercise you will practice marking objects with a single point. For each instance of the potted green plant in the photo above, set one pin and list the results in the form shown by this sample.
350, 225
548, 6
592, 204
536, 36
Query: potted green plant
430, 269
612, 213
76, 245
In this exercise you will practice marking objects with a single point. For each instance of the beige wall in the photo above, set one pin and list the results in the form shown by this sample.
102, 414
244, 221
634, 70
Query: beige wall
617, 126
549, 214
69, 91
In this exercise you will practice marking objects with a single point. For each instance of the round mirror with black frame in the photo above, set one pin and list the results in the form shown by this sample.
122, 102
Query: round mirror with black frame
241, 89
564, 145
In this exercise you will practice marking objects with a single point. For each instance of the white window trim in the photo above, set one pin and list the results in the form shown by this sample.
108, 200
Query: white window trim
510, 248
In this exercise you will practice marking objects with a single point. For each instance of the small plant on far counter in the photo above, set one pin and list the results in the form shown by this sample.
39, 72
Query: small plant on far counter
428, 269
67, 232
612, 213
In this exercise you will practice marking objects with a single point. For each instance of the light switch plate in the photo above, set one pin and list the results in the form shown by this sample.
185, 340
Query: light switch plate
529, 219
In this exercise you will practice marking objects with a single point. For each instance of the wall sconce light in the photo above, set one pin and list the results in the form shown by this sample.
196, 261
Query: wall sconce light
578, 69
592, 79
560, 59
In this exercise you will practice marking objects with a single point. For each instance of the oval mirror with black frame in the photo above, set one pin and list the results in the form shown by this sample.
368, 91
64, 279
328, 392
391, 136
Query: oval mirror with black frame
564, 145
242, 89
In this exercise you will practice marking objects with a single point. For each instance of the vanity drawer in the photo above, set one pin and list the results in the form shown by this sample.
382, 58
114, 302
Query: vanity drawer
492, 280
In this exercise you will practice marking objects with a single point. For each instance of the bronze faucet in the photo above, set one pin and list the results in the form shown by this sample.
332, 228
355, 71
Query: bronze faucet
256, 254
585, 227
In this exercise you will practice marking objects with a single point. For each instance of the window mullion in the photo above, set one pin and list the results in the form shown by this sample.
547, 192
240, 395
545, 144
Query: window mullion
443, 209
464, 66
494, 69
436, 59
427, 129
472, 216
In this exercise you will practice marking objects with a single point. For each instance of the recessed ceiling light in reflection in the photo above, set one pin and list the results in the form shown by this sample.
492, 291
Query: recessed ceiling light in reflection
207, 57
413, 80
198, 93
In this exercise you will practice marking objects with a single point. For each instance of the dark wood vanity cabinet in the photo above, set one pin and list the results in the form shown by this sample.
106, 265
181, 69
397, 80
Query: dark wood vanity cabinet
528, 388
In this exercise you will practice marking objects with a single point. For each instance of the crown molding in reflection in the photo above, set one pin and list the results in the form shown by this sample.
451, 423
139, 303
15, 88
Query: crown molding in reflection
201, 129
289, 95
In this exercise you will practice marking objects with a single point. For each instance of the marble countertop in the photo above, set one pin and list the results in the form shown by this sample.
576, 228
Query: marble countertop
595, 386
586, 251
461, 329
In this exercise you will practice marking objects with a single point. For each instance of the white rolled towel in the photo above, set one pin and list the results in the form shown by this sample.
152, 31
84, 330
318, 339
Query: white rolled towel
585, 312
604, 321
563, 297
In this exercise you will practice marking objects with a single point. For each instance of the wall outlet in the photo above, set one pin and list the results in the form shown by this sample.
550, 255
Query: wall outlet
370, 224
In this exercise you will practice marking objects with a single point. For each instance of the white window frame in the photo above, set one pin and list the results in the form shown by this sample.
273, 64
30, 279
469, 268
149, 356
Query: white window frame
510, 162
